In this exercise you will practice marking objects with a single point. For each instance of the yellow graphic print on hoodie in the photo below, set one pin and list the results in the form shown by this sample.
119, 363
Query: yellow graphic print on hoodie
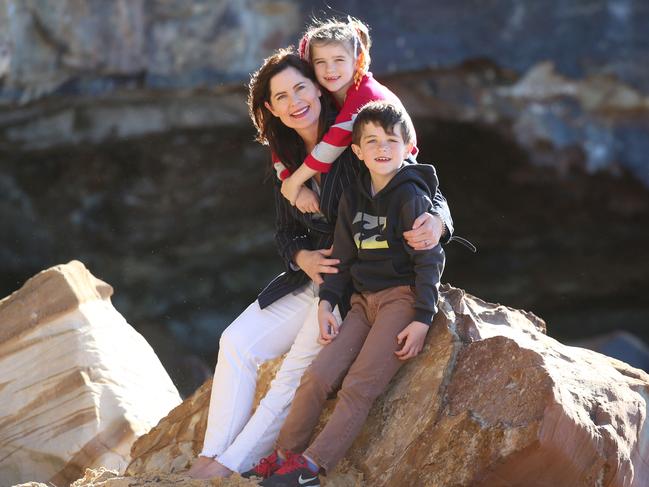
370, 231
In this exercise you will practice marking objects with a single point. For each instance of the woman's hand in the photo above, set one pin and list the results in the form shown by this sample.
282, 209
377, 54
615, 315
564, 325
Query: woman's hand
426, 231
307, 201
290, 189
414, 335
316, 262
328, 323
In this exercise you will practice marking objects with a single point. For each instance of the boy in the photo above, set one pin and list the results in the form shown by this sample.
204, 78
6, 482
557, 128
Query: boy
395, 300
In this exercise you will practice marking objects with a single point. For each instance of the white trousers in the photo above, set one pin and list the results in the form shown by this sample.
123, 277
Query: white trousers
234, 437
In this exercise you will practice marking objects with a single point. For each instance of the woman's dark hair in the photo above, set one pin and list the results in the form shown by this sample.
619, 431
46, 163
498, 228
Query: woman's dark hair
283, 141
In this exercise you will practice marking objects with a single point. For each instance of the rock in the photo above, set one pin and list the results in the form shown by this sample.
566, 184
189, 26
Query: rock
62, 122
90, 47
107, 478
95, 48
592, 124
491, 401
78, 384
174, 442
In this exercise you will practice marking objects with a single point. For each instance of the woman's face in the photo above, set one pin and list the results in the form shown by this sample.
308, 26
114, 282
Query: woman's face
294, 99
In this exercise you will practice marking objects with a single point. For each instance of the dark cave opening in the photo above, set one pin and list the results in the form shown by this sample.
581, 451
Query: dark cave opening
566, 245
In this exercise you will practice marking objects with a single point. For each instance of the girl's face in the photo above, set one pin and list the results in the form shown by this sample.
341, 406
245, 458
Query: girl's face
334, 68
294, 99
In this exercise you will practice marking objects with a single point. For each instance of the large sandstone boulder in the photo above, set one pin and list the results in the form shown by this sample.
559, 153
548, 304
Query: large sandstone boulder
77, 384
491, 401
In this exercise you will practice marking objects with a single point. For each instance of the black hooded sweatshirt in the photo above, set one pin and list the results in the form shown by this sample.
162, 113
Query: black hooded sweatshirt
369, 241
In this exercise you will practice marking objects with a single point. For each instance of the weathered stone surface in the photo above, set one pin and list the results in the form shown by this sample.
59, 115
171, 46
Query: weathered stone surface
77, 384
106, 478
95, 47
91, 46
180, 45
491, 401
594, 112
88, 120
593, 124
175, 441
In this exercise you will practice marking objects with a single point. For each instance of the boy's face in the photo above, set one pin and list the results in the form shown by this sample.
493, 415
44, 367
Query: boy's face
382, 153
334, 67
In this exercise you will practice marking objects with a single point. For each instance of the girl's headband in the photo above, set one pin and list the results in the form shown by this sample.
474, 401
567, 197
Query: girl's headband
303, 49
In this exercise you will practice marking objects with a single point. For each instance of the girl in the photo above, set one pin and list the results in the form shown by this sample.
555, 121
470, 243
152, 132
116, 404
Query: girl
340, 55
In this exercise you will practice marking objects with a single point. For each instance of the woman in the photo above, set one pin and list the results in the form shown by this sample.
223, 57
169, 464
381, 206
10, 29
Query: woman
290, 114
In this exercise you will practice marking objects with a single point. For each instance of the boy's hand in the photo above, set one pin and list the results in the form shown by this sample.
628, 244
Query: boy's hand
290, 190
307, 201
414, 335
328, 323
426, 232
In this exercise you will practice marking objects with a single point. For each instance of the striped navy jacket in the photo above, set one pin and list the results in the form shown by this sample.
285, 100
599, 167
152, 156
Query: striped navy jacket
296, 230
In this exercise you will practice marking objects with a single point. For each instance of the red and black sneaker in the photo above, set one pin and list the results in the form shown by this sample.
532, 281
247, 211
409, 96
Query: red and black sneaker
294, 472
266, 467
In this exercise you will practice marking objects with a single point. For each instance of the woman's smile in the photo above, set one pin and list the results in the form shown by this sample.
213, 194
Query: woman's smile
301, 112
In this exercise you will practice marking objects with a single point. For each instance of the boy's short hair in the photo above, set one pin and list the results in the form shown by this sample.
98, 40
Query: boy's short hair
387, 115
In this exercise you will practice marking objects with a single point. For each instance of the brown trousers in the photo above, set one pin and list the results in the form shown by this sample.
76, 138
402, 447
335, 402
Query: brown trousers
365, 347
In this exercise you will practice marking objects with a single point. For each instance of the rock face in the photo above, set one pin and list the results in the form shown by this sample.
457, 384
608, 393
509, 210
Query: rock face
77, 384
593, 124
126, 52
96, 47
106, 478
491, 401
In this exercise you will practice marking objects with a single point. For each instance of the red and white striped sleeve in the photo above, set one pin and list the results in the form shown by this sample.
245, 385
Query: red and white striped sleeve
280, 169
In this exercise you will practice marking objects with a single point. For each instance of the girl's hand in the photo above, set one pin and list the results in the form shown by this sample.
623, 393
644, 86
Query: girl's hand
307, 201
290, 190
414, 335
316, 262
426, 231
328, 323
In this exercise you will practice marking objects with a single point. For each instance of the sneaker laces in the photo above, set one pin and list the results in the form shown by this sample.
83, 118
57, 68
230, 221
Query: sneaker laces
293, 462
267, 465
